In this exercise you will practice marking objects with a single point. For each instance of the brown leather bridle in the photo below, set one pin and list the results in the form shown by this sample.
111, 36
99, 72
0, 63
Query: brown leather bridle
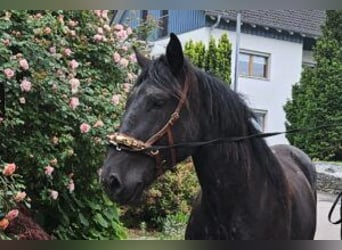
128, 143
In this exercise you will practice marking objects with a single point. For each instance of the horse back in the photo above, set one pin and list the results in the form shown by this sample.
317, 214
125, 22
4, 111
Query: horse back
301, 179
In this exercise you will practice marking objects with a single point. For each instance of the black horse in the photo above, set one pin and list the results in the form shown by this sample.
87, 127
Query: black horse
248, 190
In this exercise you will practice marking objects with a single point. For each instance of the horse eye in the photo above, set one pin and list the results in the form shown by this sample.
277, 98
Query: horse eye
157, 102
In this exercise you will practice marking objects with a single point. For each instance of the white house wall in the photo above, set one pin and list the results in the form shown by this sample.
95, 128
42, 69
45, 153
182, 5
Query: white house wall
270, 95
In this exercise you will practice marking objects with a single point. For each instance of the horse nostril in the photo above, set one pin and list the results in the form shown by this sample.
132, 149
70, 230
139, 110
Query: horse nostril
115, 183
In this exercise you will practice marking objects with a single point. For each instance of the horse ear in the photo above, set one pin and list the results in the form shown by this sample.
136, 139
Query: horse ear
174, 54
143, 61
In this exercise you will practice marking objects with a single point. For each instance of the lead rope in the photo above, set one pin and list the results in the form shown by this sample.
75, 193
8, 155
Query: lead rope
339, 221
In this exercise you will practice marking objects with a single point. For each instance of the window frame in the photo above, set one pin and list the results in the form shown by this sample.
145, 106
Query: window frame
250, 55
264, 114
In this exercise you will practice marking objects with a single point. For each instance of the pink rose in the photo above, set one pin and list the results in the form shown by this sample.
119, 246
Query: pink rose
124, 62
98, 124
73, 64
116, 99
73, 23
48, 170
75, 83
104, 14
12, 214
106, 27
98, 38
132, 58
72, 33
47, 30
127, 87
122, 35
60, 19
100, 31
125, 48
20, 196
22, 100
118, 27
129, 31
6, 42
9, 73
116, 57
131, 77
67, 52
74, 102
52, 50
54, 88
25, 86
71, 186
54, 140
53, 194
97, 12
84, 128
24, 64
9, 169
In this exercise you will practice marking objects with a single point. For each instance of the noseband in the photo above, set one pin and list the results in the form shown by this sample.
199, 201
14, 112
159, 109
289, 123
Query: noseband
128, 143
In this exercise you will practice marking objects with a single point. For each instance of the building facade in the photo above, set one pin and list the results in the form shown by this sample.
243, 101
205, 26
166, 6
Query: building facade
274, 46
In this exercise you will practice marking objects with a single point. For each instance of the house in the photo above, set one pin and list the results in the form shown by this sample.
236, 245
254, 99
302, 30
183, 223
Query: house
274, 46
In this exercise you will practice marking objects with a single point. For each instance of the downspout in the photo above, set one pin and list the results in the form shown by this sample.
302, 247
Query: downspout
216, 23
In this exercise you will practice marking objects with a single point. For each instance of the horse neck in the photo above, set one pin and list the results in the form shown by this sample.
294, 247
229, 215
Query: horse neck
229, 173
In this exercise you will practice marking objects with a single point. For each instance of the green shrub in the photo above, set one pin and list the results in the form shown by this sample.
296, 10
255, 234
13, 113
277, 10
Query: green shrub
317, 98
215, 58
64, 75
171, 194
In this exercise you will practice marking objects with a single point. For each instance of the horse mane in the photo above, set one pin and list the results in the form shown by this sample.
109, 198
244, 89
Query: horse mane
233, 117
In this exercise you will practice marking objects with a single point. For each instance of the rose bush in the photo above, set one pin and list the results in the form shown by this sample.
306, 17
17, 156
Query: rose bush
66, 74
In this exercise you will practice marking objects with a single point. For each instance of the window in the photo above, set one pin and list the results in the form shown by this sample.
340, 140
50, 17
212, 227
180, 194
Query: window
254, 65
164, 23
260, 117
144, 14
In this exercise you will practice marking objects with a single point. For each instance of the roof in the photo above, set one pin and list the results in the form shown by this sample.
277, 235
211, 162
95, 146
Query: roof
305, 22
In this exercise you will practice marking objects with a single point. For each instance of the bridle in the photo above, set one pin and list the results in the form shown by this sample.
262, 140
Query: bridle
128, 143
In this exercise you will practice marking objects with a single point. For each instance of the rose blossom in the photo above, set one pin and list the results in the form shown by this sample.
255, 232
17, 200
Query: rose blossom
54, 162
100, 30
53, 194
25, 86
106, 27
127, 87
9, 73
11, 215
98, 124
7, 42
48, 170
104, 14
52, 50
74, 102
98, 38
132, 58
73, 23
73, 64
54, 140
9, 169
84, 127
118, 27
75, 83
116, 57
129, 31
24, 64
22, 100
4, 224
125, 48
20, 196
60, 19
124, 62
116, 99
97, 12
71, 186
47, 30
67, 52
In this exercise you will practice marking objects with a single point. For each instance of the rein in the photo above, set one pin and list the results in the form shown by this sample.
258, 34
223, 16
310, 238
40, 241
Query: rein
338, 198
